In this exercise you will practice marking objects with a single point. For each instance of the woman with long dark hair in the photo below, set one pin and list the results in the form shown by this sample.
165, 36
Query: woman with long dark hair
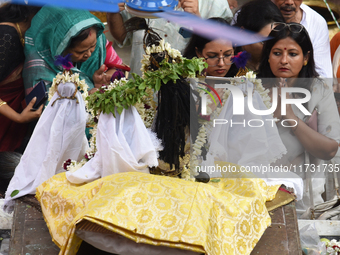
218, 54
256, 16
288, 60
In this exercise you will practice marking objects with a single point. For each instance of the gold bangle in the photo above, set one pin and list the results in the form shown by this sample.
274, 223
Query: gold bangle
297, 123
2, 103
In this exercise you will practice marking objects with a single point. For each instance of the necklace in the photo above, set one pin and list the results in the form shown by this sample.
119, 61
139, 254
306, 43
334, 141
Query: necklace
22, 40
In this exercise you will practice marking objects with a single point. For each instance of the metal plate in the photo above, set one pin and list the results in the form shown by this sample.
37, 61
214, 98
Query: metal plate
152, 5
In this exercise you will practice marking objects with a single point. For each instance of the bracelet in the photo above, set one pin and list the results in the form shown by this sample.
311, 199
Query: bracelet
2, 103
297, 124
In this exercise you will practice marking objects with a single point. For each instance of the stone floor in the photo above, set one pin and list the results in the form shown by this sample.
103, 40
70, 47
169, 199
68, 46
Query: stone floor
6, 221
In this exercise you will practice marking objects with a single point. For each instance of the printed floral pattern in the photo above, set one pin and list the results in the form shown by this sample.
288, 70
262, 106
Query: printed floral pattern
215, 218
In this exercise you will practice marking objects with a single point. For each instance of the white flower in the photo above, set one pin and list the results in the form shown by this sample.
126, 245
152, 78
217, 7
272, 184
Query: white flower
66, 77
163, 46
251, 76
159, 48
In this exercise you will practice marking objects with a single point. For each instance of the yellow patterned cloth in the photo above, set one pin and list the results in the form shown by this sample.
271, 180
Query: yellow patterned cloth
225, 217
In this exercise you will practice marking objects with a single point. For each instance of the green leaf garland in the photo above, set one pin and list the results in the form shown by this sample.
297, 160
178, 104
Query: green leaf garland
125, 93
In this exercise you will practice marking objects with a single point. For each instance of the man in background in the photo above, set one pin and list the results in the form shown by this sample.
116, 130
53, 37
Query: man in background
296, 11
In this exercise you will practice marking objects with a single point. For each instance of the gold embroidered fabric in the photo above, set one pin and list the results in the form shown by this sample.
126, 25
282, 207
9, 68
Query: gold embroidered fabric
225, 217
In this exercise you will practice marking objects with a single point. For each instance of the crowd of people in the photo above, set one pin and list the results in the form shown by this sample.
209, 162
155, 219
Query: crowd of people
296, 53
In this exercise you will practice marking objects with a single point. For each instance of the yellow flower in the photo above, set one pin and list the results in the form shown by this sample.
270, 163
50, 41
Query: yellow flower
244, 227
155, 188
233, 211
154, 233
228, 248
122, 208
176, 236
228, 228
168, 221
138, 199
55, 210
190, 231
255, 241
145, 216
184, 209
163, 204
256, 225
259, 207
245, 206
241, 246
62, 229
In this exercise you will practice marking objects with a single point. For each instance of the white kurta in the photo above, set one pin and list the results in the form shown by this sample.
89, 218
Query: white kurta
318, 32
322, 98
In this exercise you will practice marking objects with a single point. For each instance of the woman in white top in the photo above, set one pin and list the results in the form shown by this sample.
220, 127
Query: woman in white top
288, 60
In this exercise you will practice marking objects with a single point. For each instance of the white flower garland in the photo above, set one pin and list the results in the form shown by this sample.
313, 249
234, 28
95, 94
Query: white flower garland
200, 141
147, 114
163, 46
207, 125
251, 76
239, 80
67, 77
115, 83
74, 165
332, 247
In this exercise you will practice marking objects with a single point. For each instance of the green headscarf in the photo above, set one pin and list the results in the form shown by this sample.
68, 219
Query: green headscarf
49, 35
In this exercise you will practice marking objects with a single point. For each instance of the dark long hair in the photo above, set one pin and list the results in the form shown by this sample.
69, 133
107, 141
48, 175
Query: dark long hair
198, 42
175, 103
302, 39
256, 14
17, 13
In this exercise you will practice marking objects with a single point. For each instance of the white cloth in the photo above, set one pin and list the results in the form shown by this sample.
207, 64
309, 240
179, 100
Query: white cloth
170, 31
317, 29
58, 136
123, 145
253, 148
240, 143
322, 98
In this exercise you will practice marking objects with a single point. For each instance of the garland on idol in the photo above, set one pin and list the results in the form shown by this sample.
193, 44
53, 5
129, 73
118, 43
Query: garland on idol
139, 91
166, 73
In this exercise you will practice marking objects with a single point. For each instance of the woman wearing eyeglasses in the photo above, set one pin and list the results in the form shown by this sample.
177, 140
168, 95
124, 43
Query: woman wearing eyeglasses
288, 58
217, 54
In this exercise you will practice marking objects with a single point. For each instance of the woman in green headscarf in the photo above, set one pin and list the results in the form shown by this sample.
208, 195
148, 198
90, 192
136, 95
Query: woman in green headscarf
58, 31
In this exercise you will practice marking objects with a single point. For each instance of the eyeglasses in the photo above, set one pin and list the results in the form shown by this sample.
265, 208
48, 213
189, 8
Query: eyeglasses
213, 61
293, 27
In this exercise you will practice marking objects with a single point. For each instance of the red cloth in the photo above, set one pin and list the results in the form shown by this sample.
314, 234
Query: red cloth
111, 55
335, 44
12, 133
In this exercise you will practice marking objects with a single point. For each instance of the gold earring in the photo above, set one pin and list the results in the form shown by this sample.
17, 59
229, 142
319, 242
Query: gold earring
268, 60
305, 63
